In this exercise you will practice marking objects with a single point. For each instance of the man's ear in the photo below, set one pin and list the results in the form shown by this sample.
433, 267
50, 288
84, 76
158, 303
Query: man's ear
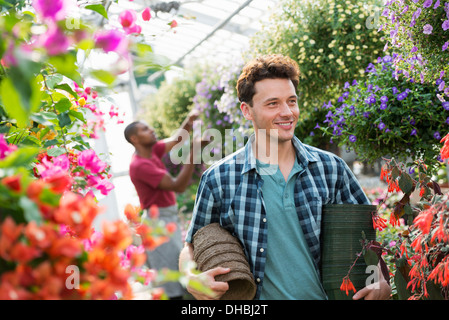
246, 110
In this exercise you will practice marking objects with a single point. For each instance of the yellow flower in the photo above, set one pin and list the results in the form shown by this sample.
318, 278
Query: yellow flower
305, 37
358, 58
331, 56
320, 50
358, 26
82, 101
350, 46
312, 42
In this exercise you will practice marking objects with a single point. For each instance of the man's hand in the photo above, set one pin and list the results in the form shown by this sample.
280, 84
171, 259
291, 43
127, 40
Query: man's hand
377, 291
216, 289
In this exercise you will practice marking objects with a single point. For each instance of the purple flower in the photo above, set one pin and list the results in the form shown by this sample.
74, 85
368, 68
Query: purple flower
413, 133
427, 3
381, 126
402, 96
436, 135
437, 4
414, 49
386, 59
445, 25
446, 105
383, 106
317, 126
441, 86
384, 99
412, 122
352, 138
395, 90
427, 29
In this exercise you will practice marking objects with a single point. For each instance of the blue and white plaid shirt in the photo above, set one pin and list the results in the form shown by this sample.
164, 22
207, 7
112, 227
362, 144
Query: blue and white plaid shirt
230, 192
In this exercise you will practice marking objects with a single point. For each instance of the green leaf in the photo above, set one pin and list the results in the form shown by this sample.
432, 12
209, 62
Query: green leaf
12, 103
53, 80
63, 105
66, 65
64, 119
99, 8
371, 258
103, 76
30, 210
401, 286
54, 152
20, 158
405, 183
67, 88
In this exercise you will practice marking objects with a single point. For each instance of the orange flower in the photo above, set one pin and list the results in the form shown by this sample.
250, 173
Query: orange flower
116, 235
9, 233
65, 247
347, 285
77, 213
40, 236
132, 213
149, 241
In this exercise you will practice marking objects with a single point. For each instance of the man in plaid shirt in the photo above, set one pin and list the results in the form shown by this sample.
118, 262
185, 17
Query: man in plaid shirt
270, 193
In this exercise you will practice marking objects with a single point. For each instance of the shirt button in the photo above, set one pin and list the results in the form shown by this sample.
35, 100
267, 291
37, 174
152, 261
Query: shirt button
261, 250
264, 219
258, 279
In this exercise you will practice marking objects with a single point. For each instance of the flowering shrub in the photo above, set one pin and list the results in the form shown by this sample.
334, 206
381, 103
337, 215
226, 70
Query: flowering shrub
418, 32
332, 41
388, 116
48, 171
420, 249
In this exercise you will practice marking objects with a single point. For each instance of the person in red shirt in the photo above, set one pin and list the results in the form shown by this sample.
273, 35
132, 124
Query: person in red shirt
156, 186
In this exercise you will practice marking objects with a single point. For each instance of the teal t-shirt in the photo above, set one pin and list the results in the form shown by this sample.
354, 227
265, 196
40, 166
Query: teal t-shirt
290, 273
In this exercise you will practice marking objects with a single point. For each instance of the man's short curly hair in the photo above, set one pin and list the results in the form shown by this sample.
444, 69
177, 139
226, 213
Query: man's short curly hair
274, 66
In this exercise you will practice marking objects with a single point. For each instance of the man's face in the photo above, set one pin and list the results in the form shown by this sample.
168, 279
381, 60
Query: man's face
145, 135
274, 109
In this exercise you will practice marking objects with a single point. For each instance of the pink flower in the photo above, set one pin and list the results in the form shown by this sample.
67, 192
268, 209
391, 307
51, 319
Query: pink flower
52, 9
90, 161
146, 14
111, 40
127, 18
55, 166
128, 21
173, 24
55, 41
5, 147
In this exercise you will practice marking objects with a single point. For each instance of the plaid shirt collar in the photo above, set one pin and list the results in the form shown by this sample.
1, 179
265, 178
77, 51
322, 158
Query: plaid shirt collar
303, 156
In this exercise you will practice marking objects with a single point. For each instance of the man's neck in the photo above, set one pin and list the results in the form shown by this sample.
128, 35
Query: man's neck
144, 152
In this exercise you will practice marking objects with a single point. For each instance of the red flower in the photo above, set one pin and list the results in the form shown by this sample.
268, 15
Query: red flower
13, 183
445, 149
347, 285
379, 223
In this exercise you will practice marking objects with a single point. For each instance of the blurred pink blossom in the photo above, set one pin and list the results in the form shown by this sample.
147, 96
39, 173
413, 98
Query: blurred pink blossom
52, 9
90, 161
54, 40
5, 147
